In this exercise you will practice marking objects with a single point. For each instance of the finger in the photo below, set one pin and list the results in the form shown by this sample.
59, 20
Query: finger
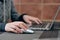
22, 23
18, 29
36, 21
39, 21
23, 27
29, 22
15, 27
13, 30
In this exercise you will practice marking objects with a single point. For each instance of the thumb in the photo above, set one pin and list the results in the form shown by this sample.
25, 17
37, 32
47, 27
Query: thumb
29, 23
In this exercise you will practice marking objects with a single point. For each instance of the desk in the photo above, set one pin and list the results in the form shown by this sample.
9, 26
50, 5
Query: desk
42, 35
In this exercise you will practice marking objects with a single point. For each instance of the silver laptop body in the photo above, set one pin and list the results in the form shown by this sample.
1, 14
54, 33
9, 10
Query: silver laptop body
45, 25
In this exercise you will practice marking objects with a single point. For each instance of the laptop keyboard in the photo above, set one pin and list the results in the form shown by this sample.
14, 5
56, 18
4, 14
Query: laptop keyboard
43, 25
38, 27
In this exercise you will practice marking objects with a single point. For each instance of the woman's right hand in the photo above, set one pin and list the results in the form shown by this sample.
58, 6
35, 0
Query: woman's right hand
15, 27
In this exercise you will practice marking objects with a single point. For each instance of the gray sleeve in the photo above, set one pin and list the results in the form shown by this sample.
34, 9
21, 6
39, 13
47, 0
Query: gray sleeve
2, 26
14, 15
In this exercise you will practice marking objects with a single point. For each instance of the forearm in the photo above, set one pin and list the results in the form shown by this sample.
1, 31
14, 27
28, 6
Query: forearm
14, 15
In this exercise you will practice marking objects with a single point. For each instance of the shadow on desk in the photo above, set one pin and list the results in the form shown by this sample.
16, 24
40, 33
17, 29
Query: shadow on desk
53, 33
1, 32
49, 34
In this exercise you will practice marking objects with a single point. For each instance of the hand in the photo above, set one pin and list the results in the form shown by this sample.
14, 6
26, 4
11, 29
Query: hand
15, 27
29, 19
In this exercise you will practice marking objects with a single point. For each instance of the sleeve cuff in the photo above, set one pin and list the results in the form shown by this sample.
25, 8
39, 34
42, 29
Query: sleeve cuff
2, 27
21, 18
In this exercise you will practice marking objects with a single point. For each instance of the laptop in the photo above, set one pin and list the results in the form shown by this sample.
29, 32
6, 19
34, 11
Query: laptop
45, 25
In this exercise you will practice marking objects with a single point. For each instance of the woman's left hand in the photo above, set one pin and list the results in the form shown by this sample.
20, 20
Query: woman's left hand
29, 19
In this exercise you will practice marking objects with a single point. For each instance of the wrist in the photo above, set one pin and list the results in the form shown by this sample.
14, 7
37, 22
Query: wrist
21, 18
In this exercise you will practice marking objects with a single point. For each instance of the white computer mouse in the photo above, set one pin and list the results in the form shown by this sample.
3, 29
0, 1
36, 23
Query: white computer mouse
28, 31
